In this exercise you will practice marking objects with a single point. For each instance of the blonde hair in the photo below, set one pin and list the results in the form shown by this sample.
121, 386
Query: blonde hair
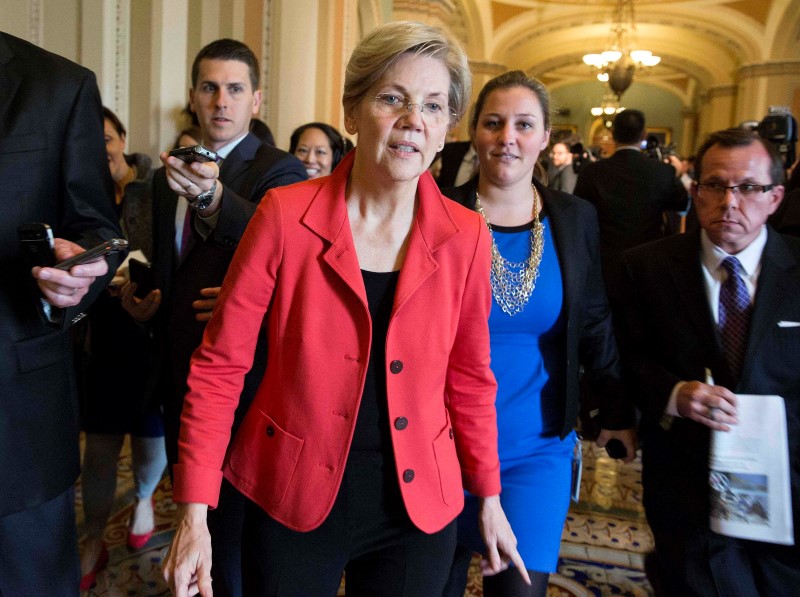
381, 48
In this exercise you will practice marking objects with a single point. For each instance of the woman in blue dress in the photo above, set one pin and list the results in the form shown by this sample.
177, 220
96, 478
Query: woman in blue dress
549, 316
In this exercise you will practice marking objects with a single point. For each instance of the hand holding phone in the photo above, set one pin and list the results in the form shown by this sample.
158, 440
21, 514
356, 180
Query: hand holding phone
105, 248
196, 153
144, 276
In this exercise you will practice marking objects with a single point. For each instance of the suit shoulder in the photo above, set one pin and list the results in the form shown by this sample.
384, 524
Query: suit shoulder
269, 155
41, 64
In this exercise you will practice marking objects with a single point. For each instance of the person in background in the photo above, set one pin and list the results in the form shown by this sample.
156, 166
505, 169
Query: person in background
319, 146
261, 130
55, 170
549, 316
188, 137
353, 453
117, 353
714, 314
562, 176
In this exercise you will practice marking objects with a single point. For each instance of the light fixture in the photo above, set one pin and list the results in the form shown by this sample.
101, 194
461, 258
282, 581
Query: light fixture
608, 107
618, 65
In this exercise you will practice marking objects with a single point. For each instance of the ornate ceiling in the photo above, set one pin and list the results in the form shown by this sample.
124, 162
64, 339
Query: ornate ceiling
703, 43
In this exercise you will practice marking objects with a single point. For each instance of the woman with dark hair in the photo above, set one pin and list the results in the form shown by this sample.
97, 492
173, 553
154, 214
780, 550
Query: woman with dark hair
188, 137
116, 400
549, 316
319, 146
377, 401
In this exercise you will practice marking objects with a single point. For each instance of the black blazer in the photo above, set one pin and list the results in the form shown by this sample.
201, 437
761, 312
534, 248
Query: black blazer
588, 337
452, 155
54, 169
248, 172
671, 336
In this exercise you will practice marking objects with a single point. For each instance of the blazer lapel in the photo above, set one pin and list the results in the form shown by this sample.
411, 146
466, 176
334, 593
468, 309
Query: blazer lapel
432, 226
326, 216
9, 79
773, 289
238, 160
561, 215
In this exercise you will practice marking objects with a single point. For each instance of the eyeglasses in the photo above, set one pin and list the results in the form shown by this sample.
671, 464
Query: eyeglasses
714, 190
432, 113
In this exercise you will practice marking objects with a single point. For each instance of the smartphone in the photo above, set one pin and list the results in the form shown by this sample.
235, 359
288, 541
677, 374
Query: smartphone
107, 247
198, 153
144, 275
36, 245
616, 449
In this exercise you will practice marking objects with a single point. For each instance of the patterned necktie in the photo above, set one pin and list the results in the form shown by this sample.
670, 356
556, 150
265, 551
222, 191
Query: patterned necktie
734, 315
186, 234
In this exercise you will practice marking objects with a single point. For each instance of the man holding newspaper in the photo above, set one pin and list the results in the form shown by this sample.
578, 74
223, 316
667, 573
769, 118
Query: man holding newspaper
714, 315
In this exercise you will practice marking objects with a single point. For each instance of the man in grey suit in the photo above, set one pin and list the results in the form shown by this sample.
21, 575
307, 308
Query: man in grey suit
54, 169
708, 313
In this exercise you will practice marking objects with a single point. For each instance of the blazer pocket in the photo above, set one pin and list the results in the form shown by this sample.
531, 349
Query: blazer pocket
267, 458
21, 143
41, 351
444, 450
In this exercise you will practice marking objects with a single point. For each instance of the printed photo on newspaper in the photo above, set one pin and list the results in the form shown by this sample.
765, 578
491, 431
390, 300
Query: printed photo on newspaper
749, 473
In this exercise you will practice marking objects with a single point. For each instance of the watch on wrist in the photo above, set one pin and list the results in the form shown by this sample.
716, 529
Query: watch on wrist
204, 200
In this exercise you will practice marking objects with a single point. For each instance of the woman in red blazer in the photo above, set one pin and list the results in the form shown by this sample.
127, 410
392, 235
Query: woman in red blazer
378, 400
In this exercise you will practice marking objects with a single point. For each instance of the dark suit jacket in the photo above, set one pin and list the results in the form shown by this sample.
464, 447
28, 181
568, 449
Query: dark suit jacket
786, 218
630, 192
452, 155
54, 169
672, 337
248, 172
589, 338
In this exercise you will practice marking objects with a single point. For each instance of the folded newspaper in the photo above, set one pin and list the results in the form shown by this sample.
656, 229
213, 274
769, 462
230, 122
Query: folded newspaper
749, 473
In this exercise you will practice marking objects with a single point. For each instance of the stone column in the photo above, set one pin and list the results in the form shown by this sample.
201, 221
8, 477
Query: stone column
775, 83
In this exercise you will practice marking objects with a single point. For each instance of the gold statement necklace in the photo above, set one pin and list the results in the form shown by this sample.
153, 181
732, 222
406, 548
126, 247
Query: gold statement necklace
513, 281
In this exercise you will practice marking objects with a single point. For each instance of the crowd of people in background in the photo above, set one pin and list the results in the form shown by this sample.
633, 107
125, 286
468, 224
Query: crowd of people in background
371, 359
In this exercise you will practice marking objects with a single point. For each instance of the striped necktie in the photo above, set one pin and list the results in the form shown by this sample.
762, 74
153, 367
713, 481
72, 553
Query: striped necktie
734, 315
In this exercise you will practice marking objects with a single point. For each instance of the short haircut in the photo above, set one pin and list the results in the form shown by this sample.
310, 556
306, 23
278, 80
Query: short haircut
335, 140
115, 122
509, 80
381, 48
228, 49
628, 127
739, 137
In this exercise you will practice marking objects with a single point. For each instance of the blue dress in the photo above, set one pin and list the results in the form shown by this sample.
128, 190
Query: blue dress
528, 360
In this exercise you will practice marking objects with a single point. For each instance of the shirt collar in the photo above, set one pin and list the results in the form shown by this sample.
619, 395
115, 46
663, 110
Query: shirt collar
749, 257
635, 148
223, 152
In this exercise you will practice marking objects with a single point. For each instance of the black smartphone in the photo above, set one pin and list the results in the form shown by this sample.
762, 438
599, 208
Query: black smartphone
144, 275
106, 247
616, 449
197, 153
36, 245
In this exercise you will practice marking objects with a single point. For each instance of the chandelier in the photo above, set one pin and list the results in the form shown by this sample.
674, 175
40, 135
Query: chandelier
618, 64
608, 107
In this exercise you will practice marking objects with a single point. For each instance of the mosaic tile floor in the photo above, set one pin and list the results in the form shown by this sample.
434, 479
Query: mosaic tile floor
603, 545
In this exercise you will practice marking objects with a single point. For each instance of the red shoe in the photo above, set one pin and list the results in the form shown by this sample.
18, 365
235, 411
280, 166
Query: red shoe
89, 579
137, 542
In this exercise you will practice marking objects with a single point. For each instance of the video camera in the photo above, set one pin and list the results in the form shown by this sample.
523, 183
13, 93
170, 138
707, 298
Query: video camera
779, 127
652, 149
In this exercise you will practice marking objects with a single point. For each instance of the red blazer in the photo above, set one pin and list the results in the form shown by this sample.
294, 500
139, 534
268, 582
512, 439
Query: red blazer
296, 268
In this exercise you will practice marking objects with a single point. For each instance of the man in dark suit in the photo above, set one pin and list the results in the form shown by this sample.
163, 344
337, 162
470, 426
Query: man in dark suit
459, 164
686, 363
201, 213
54, 169
631, 193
